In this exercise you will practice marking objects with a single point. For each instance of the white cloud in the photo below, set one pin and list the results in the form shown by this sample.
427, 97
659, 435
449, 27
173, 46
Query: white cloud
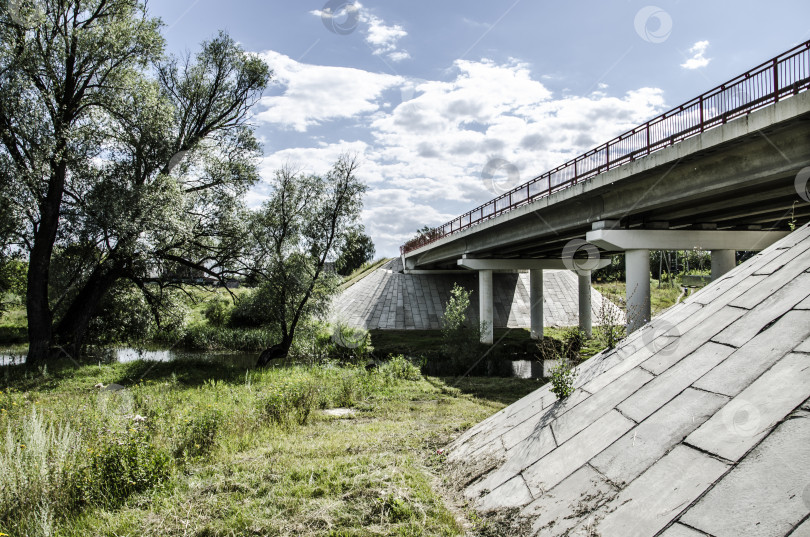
313, 94
423, 157
698, 59
383, 38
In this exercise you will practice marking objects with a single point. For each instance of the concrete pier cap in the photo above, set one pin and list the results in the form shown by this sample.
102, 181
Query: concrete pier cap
637, 243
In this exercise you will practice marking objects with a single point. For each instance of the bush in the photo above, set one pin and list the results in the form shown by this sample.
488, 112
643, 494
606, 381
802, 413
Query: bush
123, 463
461, 340
213, 338
218, 311
38, 472
562, 379
400, 368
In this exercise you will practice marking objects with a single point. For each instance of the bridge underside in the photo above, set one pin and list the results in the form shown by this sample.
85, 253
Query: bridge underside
388, 299
742, 175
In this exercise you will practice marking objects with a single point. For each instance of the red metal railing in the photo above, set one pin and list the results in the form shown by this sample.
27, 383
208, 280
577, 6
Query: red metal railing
784, 75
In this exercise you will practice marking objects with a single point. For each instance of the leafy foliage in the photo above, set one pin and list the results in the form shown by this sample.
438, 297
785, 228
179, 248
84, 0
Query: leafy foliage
461, 339
356, 250
292, 236
562, 378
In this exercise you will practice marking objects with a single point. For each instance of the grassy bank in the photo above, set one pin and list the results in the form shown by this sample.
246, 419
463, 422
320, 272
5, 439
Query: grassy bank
202, 448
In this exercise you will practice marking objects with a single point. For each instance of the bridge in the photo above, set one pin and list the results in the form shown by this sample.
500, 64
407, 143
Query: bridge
725, 171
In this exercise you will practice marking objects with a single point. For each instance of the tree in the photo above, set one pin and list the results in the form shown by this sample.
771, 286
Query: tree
293, 235
126, 173
358, 248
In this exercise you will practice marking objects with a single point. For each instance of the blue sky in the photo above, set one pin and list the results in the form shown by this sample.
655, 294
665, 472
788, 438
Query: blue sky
427, 93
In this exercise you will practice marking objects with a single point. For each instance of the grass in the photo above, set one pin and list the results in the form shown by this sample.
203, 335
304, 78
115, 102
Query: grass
242, 452
362, 272
660, 299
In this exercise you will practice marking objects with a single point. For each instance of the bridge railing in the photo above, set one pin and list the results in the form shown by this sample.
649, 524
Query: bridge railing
780, 77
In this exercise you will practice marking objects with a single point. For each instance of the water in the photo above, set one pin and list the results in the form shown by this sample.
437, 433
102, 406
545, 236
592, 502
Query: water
124, 355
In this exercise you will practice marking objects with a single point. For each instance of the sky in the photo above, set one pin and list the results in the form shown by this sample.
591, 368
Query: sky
449, 103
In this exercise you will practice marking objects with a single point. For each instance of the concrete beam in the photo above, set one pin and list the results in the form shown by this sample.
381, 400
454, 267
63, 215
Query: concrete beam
639, 309
525, 264
536, 303
585, 323
676, 239
722, 262
485, 306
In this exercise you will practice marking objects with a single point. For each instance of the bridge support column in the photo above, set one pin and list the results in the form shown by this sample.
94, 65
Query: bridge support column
584, 277
485, 306
639, 310
536, 302
722, 262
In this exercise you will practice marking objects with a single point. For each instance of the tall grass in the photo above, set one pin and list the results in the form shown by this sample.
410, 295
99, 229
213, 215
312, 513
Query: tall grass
38, 472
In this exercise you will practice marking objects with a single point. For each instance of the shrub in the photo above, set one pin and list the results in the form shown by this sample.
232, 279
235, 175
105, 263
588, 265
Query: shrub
218, 311
400, 368
123, 463
349, 345
461, 340
562, 379
38, 474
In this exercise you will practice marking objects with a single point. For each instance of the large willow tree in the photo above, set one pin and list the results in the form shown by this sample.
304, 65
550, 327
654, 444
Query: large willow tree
118, 163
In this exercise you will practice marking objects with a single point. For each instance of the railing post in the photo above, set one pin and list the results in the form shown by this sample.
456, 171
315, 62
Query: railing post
775, 80
648, 137
701, 113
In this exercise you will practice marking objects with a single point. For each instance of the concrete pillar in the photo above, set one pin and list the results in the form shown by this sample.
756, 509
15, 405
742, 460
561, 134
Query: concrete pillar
722, 262
584, 277
637, 266
485, 306
536, 302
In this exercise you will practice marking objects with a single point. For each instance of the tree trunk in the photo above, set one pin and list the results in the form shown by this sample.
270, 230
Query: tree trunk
39, 264
72, 328
279, 350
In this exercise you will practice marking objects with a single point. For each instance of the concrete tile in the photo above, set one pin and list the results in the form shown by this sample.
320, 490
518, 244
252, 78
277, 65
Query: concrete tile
513, 493
600, 403
583, 491
786, 257
694, 334
679, 530
766, 495
804, 346
673, 381
749, 416
517, 459
772, 307
653, 500
803, 530
568, 457
750, 361
639, 448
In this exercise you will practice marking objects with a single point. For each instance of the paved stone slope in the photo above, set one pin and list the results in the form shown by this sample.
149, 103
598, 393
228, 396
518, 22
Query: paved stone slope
698, 424
389, 299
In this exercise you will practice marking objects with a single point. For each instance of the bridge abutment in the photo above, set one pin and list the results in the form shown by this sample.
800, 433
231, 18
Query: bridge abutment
585, 323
